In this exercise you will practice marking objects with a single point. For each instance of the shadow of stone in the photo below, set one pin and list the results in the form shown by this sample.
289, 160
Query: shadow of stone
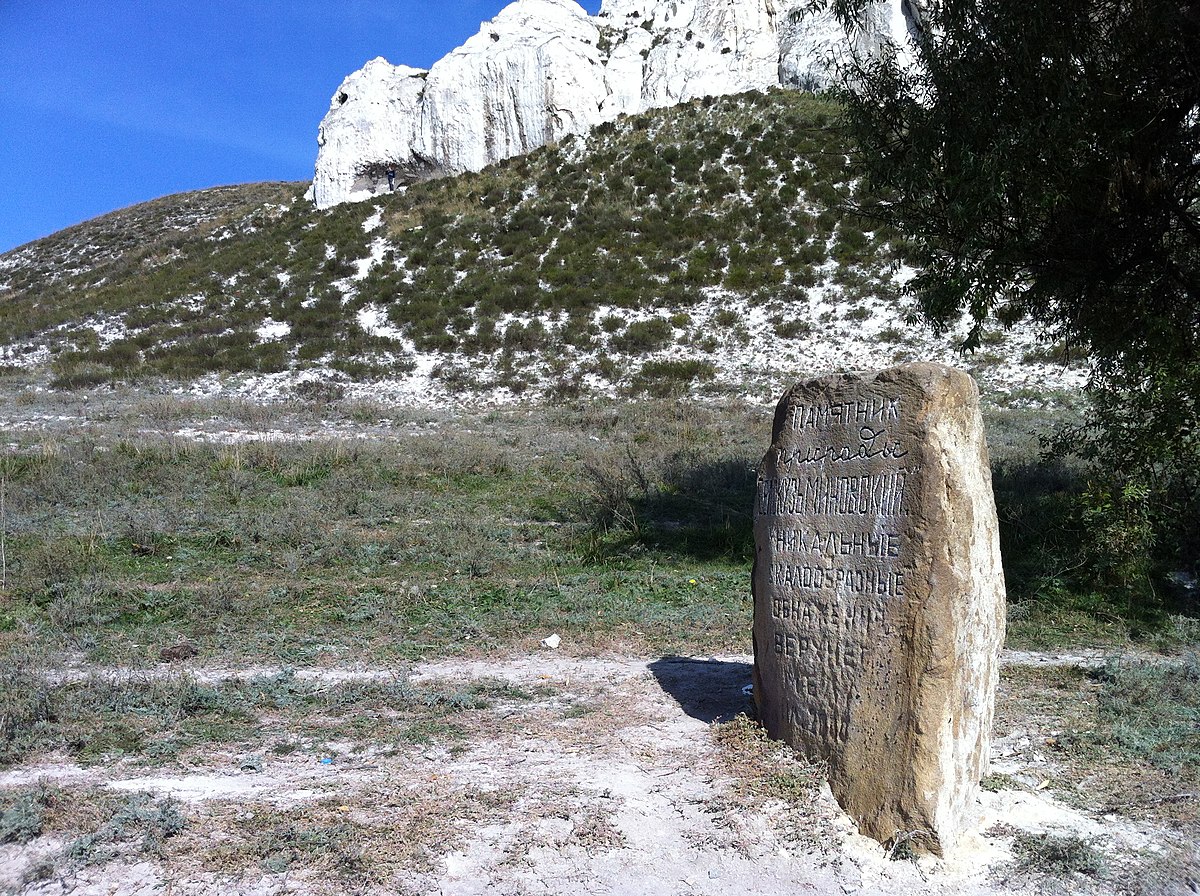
708, 690
702, 511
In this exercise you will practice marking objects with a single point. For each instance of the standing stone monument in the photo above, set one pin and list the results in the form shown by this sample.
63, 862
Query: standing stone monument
879, 595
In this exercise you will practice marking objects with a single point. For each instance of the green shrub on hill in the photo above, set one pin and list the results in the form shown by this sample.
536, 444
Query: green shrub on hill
739, 193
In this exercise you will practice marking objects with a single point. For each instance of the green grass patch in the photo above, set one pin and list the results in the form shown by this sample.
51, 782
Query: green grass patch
22, 813
1150, 712
663, 378
455, 538
156, 716
1058, 855
469, 532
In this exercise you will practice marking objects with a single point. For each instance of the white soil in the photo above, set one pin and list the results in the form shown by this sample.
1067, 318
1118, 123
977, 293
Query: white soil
627, 795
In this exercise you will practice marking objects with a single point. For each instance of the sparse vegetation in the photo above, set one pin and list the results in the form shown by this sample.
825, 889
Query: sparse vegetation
649, 213
139, 826
766, 772
156, 716
21, 815
1121, 741
1058, 855
454, 536
1150, 712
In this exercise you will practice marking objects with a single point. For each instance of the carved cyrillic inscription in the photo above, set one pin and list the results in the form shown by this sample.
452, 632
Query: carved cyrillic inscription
833, 615
853, 581
832, 495
836, 530
867, 409
829, 543
878, 592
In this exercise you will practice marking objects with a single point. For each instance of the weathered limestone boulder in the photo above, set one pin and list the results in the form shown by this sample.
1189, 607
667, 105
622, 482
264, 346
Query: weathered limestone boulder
879, 595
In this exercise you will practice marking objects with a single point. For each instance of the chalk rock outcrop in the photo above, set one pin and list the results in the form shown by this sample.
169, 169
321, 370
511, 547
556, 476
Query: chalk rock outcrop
543, 69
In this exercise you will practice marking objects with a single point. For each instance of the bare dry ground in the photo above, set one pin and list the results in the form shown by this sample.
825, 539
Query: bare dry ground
582, 774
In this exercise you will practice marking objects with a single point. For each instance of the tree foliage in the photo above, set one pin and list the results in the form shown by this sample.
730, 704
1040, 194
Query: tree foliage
1044, 159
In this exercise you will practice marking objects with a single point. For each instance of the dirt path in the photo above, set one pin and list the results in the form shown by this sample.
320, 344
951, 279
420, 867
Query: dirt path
614, 776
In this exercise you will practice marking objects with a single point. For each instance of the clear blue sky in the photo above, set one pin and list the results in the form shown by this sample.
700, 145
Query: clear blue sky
111, 102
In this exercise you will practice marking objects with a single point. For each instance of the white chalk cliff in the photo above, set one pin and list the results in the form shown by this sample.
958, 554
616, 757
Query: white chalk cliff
543, 69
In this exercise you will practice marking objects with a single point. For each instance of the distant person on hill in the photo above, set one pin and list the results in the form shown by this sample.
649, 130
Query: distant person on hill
391, 173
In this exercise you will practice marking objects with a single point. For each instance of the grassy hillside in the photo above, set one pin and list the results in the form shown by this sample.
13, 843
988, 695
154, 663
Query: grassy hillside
663, 252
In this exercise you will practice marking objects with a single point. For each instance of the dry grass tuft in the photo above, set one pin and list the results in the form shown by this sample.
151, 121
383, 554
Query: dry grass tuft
768, 778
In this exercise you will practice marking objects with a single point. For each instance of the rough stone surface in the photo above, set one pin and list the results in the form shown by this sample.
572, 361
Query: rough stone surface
543, 69
879, 594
